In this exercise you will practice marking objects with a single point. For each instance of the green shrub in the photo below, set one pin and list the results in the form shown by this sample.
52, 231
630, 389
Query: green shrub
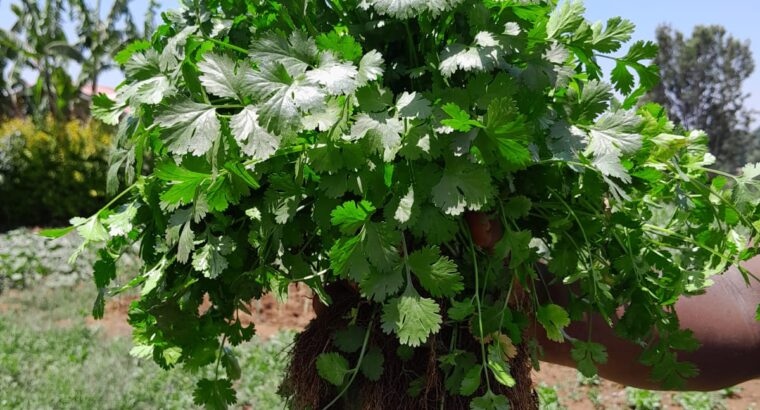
52, 172
26, 257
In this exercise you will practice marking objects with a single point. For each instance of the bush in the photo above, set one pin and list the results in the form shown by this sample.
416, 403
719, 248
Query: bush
51, 172
26, 258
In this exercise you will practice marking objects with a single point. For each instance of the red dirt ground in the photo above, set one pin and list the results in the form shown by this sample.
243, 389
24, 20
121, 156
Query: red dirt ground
270, 317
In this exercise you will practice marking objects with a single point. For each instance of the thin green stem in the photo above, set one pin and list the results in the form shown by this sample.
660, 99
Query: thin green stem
478, 304
226, 45
355, 371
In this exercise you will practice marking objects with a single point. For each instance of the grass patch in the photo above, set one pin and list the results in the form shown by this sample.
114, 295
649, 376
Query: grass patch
51, 359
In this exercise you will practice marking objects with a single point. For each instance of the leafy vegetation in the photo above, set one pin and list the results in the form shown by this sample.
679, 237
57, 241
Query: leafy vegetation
702, 88
37, 42
345, 142
27, 259
52, 171
49, 358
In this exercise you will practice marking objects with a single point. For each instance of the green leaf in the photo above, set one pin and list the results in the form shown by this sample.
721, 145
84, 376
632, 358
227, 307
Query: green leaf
351, 216
757, 315
485, 54
499, 367
381, 246
126, 53
461, 310
412, 317
490, 401
553, 318
370, 68
214, 394
378, 286
587, 355
191, 128
253, 139
221, 78
349, 339
413, 105
566, 18
105, 109
332, 367
471, 381
184, 183
337, 77
55, 233
372, 364
385, 132
517, 207
437, 274
343, 44
120, 223
91, 229
296, 53
104, 269
463, 186
403, 9
210, 258
459, 119
284, 98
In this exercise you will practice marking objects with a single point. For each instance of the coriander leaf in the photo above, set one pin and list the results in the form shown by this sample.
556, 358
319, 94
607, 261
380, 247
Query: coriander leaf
413, 105
499, 367
490, 401
252, 138
284, 97
296, 53
126, 53
471, 380
406, 203
463, 186
403, 9
351, 216
210, 258
221, 78
372, 364
105, 109
412, 317
437, 274
91, 229
348, 261
566, 141
566, 18
332, 367
344, 45
370, 68
120, 224
349, 339
610, 39
586, 354
191, 128
337, 77
377, 285
380, 244
484, 54
553, 318
461, 310
384, 130
459, 119
214, 394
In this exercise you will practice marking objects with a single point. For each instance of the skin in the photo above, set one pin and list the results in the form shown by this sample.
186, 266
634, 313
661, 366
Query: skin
722, 319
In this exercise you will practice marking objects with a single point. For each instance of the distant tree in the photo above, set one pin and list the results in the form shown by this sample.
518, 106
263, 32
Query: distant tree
701, 88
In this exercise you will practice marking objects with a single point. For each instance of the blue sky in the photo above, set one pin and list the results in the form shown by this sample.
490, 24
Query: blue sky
736, 15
